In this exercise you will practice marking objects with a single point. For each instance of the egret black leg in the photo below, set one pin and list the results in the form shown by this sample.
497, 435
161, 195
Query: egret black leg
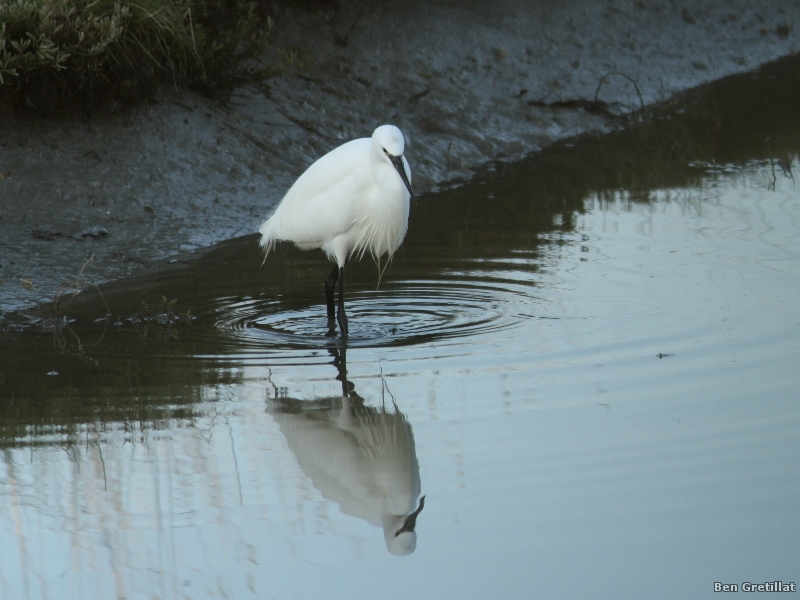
330, 288
341, 316
340, 362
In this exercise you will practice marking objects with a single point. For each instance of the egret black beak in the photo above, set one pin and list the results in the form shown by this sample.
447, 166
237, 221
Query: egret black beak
397, 161
411, 520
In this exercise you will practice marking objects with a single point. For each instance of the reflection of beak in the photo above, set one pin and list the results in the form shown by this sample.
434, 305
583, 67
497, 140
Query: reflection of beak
411, 520
397, 161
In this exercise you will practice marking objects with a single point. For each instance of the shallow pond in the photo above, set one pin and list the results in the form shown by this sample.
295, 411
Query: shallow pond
587, 363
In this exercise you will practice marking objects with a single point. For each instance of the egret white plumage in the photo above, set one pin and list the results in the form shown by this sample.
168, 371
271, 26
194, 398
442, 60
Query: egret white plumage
360, 457
352, 200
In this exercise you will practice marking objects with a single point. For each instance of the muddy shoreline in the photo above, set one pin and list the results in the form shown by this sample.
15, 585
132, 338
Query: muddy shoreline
468, 84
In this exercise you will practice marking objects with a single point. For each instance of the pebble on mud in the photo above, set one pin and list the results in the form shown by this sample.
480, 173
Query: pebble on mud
96, 231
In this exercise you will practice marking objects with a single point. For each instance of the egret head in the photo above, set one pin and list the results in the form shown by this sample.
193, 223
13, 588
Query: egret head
389, 140
402, 544
400, 534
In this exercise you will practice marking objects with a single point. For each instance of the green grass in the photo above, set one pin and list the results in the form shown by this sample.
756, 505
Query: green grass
61, 53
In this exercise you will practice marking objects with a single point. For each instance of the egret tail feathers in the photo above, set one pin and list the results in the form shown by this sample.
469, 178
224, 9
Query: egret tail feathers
383, 270
268, 239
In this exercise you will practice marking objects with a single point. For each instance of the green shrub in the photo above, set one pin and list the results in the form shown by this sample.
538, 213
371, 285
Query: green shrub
57, 52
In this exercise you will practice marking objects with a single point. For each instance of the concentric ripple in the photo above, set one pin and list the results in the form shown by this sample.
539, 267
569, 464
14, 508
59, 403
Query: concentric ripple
405, 313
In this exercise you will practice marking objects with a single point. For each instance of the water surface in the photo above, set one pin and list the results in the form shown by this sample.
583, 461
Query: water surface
586, 363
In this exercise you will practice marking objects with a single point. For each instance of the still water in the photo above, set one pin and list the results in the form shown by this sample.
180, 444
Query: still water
587, 364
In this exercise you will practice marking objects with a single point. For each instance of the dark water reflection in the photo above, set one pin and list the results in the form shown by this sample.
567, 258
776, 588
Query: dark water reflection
596, 349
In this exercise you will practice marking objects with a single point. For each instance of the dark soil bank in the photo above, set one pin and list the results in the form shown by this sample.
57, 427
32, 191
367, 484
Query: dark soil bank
467, 82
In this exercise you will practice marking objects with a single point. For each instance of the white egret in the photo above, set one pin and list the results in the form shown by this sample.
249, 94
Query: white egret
360, 457
353, 199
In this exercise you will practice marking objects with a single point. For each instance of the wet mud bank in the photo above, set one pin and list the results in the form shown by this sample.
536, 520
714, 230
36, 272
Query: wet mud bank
89, 202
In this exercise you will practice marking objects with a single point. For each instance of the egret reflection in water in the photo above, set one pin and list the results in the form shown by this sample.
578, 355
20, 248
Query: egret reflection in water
360, 457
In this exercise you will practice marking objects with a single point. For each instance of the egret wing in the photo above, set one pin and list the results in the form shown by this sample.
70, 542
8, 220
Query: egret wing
319, 204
